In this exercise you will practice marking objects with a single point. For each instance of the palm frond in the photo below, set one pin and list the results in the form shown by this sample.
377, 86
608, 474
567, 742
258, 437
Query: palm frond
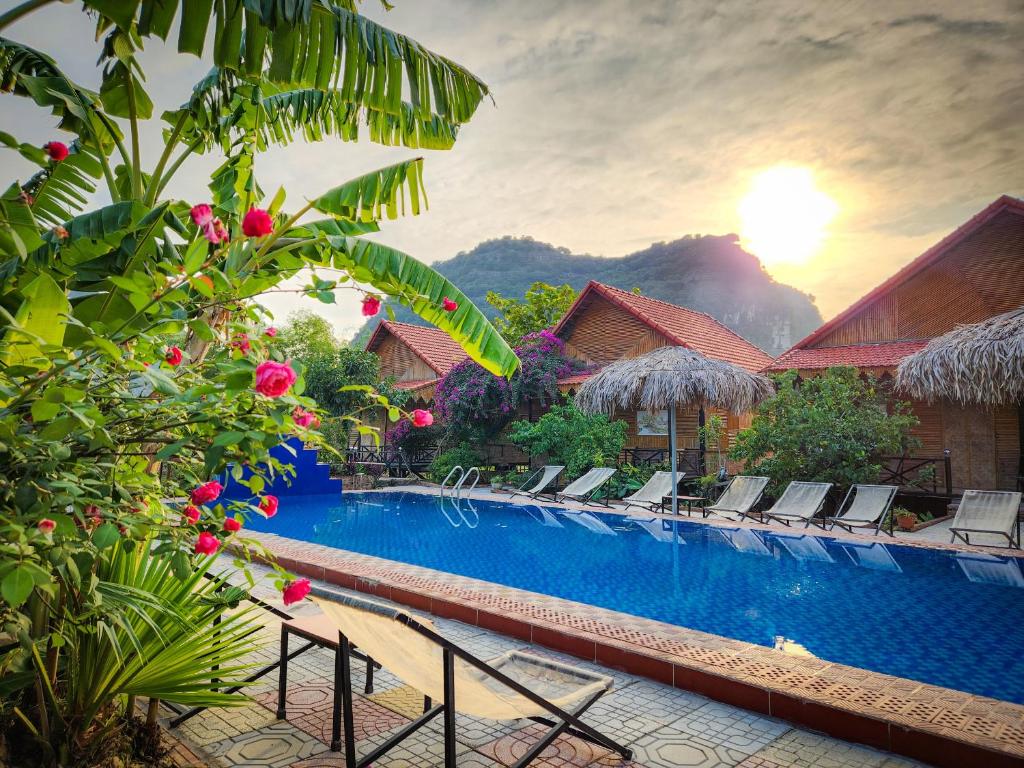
374, 195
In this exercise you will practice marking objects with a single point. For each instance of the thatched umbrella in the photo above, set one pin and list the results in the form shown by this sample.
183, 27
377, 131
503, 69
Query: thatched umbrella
668, 378
979, 364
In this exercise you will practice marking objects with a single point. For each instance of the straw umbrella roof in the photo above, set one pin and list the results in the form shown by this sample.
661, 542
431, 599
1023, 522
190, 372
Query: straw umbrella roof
671, 376
981, 364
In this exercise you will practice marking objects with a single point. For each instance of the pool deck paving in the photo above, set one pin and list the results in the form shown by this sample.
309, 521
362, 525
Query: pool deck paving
665, 726
936, 725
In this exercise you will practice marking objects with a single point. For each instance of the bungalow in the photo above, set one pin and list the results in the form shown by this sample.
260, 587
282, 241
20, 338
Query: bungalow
607, 324
415, 356
972, 274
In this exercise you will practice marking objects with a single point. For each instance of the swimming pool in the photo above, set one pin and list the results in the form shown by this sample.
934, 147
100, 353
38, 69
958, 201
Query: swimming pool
939, 617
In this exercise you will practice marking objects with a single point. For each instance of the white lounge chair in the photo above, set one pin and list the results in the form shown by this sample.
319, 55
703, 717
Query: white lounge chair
993, 512
654, 490
582, 489
738, 498
512, 686
868, 509
799, 503
991, 569
547, 477
873, 556
803, 547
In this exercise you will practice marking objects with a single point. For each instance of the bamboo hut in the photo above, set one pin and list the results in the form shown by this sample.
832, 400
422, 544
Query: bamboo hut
668, 378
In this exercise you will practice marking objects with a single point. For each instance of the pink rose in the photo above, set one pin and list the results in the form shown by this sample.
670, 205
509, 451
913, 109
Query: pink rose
191, 513
449, 305
304, 418
206, 544
294, 591
241, 343
173, 356
257, 223
371, 305
46, 525
271, 332
274, 379
232, 524
268, 505
57, 150
207, 492
215, 232
421, 418
201, 214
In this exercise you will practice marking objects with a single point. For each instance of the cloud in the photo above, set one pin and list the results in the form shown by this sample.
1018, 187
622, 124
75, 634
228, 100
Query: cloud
616, 126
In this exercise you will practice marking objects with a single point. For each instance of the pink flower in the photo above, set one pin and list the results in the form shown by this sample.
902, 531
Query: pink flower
207, 492
61, 233
46, 525
201, 214
57, 150
232, 524
271, 332
241, 343
257, 223
215, 232
294, 591
422, 418
268, 505
274, 379
304, 418
173, 356
206, 544
449, 305
371, 305
191, 513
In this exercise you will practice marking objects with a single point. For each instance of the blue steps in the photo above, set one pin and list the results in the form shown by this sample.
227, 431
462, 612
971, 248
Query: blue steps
311, 477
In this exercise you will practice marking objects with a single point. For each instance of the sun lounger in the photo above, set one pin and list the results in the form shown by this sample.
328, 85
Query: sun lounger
738, 498
873, 556
582, 489
991, 569
867, 510
993, 512
547, 477
803, 547
512, 686
654, 490
744, 540
799, 503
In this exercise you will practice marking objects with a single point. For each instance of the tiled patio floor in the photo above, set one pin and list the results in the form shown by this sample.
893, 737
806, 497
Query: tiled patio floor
665, 726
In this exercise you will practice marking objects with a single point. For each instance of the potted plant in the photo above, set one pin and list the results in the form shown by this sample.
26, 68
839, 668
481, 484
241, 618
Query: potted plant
497, 480
905, 519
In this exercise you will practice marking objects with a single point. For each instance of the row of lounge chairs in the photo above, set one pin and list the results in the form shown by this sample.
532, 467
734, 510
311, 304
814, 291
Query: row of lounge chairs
864, 507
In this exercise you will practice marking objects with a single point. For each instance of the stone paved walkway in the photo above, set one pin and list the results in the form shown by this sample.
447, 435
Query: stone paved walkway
666, 727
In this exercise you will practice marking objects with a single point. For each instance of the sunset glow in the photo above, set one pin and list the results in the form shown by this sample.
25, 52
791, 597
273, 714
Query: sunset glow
784, 217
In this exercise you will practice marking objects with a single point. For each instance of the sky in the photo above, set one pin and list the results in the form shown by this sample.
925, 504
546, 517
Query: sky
618, 125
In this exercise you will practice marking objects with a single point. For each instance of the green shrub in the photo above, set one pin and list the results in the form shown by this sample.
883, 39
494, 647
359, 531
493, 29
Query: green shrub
832, 428
462, 455
566, 435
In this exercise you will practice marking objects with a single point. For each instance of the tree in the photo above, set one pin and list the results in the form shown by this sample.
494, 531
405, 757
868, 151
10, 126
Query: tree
833, 428
540, 308
131, 335
567, 436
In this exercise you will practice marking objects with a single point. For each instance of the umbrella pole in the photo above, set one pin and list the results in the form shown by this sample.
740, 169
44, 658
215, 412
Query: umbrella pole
672, 455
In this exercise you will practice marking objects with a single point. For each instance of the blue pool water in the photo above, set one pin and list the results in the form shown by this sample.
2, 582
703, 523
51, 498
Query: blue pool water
938, 617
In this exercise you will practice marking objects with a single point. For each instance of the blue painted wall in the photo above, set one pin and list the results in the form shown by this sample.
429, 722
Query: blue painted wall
311, 477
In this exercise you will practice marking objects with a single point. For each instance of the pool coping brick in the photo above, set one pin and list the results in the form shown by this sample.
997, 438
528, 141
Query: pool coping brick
937, 725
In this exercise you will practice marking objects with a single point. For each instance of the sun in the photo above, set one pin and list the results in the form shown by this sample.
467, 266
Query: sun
784, 217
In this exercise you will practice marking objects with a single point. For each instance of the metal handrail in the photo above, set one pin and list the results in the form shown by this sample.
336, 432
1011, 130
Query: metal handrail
464, 478
458, 483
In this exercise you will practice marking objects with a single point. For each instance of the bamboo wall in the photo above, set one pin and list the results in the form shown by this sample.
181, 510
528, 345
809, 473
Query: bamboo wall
398, 360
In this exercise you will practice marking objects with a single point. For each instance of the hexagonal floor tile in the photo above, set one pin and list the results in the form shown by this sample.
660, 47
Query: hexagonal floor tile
274, 746
565, 751
212, 725
801, 749
672, 748
731, 727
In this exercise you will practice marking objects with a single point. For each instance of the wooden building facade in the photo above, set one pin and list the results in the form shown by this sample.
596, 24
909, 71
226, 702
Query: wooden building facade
972, 274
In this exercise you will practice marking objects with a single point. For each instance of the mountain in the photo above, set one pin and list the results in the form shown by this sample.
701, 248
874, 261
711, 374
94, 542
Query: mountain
712, 274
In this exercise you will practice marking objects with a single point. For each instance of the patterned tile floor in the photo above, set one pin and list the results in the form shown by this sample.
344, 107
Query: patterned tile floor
666, 727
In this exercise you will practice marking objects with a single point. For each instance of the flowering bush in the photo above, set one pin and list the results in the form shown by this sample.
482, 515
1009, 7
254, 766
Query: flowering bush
131, 337
475, 404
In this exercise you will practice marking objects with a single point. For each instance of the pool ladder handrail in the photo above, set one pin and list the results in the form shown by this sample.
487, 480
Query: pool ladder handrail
460, 481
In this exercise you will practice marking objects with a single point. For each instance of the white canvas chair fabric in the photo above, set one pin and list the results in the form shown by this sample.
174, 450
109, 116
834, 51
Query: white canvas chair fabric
800, 502
739, 497
584, 486
378, 630
993, 512
547, 476
657, 488
868, 508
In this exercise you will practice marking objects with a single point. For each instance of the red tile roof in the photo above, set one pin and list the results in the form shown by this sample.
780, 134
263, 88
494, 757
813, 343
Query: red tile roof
432, 345
682, 326
881, 355
575, 378
919, 264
